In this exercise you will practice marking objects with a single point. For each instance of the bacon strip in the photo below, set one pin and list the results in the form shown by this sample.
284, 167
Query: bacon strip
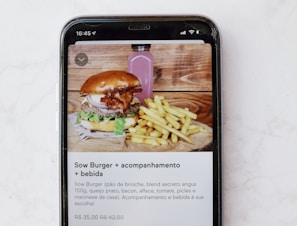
120, 98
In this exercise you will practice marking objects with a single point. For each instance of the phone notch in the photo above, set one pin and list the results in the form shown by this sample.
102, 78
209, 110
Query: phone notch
139, 27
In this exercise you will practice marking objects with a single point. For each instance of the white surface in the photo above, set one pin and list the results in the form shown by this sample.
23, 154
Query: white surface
259, 55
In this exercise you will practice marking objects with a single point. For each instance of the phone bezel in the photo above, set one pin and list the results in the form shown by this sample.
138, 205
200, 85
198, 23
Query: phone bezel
209, 34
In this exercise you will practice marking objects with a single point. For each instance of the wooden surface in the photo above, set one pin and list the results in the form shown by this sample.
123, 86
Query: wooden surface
176, 67
182, 73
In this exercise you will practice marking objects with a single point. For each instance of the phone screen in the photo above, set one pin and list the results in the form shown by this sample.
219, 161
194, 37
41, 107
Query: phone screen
142, 152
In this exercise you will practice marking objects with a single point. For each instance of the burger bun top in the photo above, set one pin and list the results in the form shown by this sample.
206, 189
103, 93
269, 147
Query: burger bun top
102, 82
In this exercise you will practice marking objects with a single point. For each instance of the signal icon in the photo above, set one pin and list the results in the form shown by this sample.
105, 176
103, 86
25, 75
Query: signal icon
191, 31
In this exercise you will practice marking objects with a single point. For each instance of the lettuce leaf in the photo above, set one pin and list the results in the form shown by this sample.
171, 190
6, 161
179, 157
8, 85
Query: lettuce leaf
93, 117
90, 116
119, 126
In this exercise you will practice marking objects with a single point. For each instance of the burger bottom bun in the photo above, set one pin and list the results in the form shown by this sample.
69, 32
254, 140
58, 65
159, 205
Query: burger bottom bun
108, 126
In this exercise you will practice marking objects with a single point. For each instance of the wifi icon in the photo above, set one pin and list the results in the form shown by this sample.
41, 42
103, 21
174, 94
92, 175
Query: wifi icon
191, 31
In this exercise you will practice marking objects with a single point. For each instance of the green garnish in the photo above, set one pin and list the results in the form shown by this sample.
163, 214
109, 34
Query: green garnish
119, 126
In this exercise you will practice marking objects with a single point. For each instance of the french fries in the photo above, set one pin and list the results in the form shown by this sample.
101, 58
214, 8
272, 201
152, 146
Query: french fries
160, 122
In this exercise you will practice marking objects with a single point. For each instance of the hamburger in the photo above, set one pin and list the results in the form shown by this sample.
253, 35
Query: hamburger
109, 103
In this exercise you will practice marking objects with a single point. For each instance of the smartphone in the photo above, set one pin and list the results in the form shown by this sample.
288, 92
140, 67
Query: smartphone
140, 121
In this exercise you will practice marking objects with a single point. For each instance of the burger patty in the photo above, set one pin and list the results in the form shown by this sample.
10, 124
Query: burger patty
91, 109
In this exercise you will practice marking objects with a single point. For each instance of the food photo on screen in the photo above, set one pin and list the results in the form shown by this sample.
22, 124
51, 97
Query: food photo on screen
113, 108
